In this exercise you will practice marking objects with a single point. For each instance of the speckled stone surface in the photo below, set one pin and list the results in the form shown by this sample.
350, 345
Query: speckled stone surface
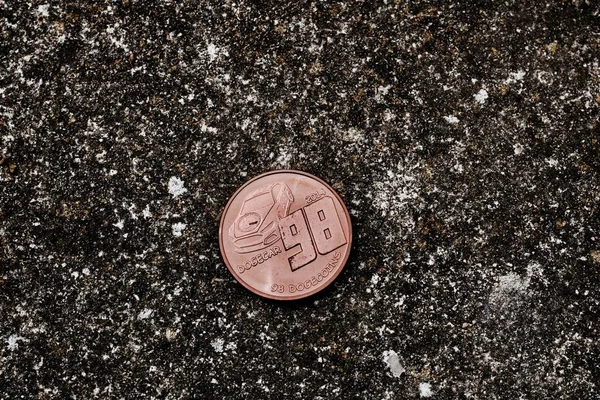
463, 137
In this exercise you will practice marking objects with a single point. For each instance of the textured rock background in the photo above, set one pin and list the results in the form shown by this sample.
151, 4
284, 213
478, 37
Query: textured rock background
464, 138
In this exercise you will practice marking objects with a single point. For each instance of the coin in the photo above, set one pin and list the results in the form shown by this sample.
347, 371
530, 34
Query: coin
285, 235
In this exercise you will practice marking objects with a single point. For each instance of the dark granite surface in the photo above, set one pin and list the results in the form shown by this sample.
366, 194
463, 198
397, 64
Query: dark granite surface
463, 137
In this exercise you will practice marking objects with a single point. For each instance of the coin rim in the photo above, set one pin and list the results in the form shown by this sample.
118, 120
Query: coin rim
269, 295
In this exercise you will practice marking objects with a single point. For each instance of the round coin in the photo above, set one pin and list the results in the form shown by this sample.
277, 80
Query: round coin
285, 235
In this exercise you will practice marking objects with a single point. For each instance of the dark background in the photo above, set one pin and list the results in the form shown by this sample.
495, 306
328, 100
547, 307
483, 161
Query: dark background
463, 137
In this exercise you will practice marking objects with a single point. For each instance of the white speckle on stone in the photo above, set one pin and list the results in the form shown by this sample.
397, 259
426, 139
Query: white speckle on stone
510, 287
353, 135
394, 192
39, 365
481, 96
8, 138
131, 209
451, 119
43, 10
285, 157
425, 389
214, 381
100, 156
515, 77
382, 91
13, 342
171, 334
205, 128
400, 302
178, 228
176, 186
519, 75
518, 149
145, 313
375, 279
390, 357
231, 346
217, 344
212, 50
120, 224
146, 212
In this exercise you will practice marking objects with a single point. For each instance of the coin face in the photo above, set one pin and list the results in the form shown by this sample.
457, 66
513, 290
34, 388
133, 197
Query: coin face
285, 235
